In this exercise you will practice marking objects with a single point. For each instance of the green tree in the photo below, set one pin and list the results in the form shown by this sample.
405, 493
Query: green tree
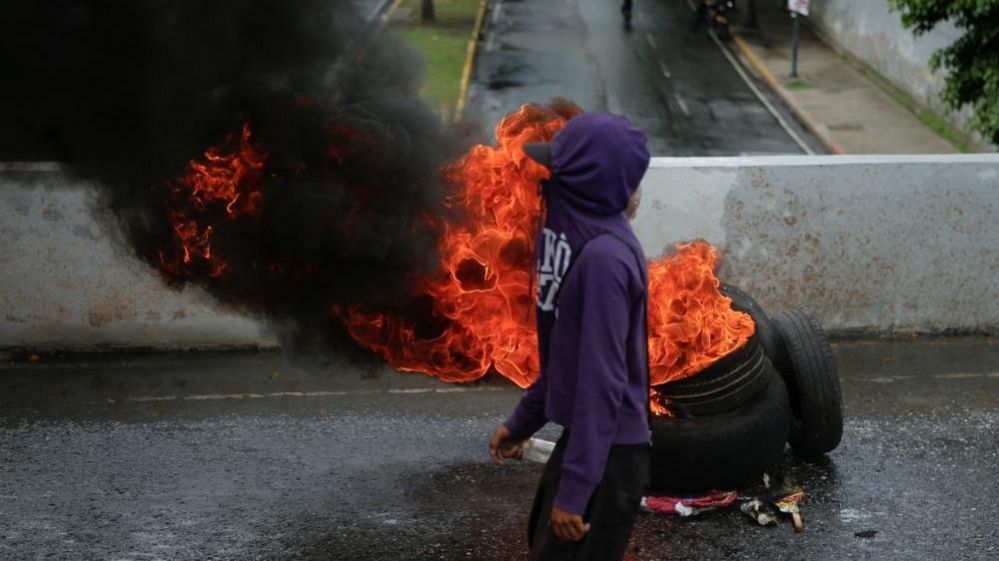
972, 62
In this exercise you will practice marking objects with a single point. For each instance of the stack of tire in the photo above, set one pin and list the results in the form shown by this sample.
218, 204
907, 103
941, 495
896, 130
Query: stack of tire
733, 420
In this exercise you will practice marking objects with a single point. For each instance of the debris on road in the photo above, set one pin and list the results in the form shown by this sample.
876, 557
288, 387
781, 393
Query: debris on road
758, 511
789, 504
689, 506
866, 534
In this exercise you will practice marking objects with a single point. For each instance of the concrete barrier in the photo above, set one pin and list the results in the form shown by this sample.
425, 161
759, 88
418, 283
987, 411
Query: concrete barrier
68, 284
866, 243
870, 244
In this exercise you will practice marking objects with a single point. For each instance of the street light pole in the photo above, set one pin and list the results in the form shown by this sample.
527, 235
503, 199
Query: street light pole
794, 47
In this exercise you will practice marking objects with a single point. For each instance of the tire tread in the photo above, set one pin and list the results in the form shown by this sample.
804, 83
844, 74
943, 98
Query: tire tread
816, 382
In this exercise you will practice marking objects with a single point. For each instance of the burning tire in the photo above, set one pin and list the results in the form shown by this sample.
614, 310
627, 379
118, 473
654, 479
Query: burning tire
696, 454
813, 384
729, 383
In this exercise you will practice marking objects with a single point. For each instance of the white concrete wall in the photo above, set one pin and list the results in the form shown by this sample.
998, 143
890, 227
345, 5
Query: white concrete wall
866, 243
66, 284
874, 34
872, 243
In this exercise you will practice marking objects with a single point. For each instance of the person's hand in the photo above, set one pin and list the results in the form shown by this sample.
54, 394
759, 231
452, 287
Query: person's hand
568, 526
503, 445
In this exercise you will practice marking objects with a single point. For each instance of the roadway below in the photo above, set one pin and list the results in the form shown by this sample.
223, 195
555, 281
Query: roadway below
245, 455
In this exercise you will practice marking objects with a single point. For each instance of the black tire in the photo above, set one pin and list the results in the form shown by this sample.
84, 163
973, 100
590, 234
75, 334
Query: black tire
813, 384
726, 385
768, 334
725, 451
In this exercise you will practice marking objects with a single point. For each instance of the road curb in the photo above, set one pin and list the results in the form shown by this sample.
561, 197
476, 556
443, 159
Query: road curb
806, 119
385, 13
466, 72
388, 14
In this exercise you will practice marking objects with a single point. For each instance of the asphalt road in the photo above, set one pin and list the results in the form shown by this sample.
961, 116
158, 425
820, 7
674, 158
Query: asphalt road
672, 80
247, 456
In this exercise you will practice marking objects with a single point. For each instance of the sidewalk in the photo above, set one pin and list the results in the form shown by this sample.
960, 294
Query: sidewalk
846, 110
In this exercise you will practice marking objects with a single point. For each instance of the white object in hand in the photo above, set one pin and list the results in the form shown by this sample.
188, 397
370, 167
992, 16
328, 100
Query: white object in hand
538, 450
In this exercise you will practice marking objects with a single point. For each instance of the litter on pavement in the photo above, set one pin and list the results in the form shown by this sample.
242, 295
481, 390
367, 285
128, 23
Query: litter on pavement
689, 506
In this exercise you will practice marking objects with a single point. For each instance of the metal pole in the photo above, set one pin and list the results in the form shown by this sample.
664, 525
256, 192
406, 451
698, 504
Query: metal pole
794, 48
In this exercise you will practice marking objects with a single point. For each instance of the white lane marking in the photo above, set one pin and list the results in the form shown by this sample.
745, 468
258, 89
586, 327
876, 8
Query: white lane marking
229, 396
476, 389
947, 376
215, 396
882, 379
452, 390
490, 41
759, 95
651, 40
641, 17
756, 91
683, 104
665, 70
962, 376
497, 10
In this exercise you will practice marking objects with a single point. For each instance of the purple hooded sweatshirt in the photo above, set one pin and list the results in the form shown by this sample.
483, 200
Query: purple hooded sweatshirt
591, 321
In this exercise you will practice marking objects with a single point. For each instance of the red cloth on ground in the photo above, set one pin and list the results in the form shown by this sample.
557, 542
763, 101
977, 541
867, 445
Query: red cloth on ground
689, 506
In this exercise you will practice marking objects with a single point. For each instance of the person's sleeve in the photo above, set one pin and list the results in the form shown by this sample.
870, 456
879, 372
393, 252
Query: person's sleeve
602, 377
529, 416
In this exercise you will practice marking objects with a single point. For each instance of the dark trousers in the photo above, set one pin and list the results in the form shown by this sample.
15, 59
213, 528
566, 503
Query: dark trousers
611, 512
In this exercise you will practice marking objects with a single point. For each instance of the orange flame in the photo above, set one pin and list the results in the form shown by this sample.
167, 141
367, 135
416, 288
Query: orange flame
483, 298
477, 316
229, 181
691, 325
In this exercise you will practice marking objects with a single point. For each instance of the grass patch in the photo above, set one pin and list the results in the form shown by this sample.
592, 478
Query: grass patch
942, 127
799, 84
934, 121
443, 44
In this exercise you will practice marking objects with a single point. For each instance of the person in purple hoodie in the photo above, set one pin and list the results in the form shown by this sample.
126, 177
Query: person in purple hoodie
591, 302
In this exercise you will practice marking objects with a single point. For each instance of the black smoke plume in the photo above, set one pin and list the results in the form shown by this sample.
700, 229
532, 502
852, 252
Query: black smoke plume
127, 92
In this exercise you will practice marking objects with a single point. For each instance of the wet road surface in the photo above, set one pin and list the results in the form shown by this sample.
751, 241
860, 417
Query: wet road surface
244, 456
672, 80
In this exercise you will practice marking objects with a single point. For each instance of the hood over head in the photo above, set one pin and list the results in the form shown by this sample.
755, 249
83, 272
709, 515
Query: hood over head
597, 163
